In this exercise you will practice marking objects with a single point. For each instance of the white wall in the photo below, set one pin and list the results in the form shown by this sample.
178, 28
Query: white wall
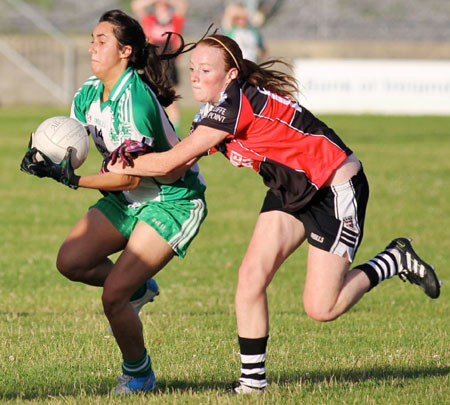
374, 86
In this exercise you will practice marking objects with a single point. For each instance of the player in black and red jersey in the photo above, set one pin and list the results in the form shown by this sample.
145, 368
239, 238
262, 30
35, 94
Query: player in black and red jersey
317, 192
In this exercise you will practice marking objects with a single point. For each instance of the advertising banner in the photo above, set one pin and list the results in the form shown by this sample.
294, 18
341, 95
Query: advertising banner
416, 87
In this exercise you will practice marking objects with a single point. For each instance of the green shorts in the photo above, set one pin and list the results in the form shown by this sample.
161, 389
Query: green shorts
176, 221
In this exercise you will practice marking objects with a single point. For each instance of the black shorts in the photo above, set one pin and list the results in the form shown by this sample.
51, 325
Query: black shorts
334, 218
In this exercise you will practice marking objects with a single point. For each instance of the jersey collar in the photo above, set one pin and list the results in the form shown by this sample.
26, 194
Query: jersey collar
121, 84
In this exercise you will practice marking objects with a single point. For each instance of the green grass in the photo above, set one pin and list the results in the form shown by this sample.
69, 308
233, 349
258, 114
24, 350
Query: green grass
393, 347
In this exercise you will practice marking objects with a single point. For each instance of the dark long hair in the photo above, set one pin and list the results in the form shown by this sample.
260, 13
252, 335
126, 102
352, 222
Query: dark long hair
260, 75
152, 67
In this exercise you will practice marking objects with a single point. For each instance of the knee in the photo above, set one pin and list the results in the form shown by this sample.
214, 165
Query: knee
319, 312
113, 301
66, 266
69, 264
252, 281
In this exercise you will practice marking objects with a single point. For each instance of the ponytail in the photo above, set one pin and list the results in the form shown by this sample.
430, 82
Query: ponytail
154, 70
273, 80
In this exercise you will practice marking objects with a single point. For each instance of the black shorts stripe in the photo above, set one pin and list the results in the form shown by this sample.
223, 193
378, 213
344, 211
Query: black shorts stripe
350, 233
349, 243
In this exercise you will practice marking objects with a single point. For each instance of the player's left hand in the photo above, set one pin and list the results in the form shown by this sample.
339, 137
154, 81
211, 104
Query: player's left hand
61, 172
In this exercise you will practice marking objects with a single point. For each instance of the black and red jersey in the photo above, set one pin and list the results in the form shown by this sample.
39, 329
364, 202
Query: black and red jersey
287, 145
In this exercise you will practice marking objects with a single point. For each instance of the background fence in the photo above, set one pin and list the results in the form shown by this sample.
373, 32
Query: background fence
411, 20
43, 51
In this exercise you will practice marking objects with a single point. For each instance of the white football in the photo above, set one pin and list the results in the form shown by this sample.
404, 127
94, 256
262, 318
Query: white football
56, 134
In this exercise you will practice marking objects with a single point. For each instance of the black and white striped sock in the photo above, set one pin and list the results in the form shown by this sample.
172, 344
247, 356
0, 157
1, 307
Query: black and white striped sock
253, 362
383, 266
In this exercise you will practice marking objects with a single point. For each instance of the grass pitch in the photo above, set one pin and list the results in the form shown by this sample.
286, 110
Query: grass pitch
393, 347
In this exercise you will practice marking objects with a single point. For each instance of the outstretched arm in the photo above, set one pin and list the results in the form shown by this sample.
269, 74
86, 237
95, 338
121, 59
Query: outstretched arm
176, 160
174, 175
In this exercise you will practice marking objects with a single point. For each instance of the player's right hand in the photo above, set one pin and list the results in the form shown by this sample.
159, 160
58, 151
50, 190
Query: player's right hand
61, 172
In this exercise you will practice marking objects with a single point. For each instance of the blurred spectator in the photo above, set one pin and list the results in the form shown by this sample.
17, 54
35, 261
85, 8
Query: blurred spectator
236, 24
158, 17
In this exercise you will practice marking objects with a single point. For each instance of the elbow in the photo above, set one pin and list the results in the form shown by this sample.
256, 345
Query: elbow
167, 170
133, 183
173, 175
168, 178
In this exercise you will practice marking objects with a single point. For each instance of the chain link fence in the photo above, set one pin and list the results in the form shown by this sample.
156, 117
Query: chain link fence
411, 20
37, 55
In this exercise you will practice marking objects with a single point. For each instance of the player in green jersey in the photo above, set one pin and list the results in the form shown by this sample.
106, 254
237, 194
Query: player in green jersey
149, 219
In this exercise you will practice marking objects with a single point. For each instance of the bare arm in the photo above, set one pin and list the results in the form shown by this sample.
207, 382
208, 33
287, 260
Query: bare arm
139, 7
109, 182
176, 160
174, 175
180, 6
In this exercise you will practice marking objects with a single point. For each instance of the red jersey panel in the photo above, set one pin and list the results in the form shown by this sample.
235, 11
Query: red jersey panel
154, 31
289, 147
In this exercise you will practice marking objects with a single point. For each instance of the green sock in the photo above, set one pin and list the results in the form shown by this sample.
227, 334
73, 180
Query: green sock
138, 368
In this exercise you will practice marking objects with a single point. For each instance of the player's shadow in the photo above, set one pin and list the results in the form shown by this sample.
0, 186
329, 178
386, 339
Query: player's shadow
361, 375
105, 389
313, 377
181, 386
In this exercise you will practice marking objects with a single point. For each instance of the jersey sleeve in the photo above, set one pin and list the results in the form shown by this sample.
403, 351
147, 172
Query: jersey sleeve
145, 116
77, 110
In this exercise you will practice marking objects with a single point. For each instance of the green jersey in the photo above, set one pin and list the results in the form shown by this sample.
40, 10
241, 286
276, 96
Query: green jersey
133, 112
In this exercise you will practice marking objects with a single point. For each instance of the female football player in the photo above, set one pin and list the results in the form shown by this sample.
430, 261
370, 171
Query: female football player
150, 219
317, 192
